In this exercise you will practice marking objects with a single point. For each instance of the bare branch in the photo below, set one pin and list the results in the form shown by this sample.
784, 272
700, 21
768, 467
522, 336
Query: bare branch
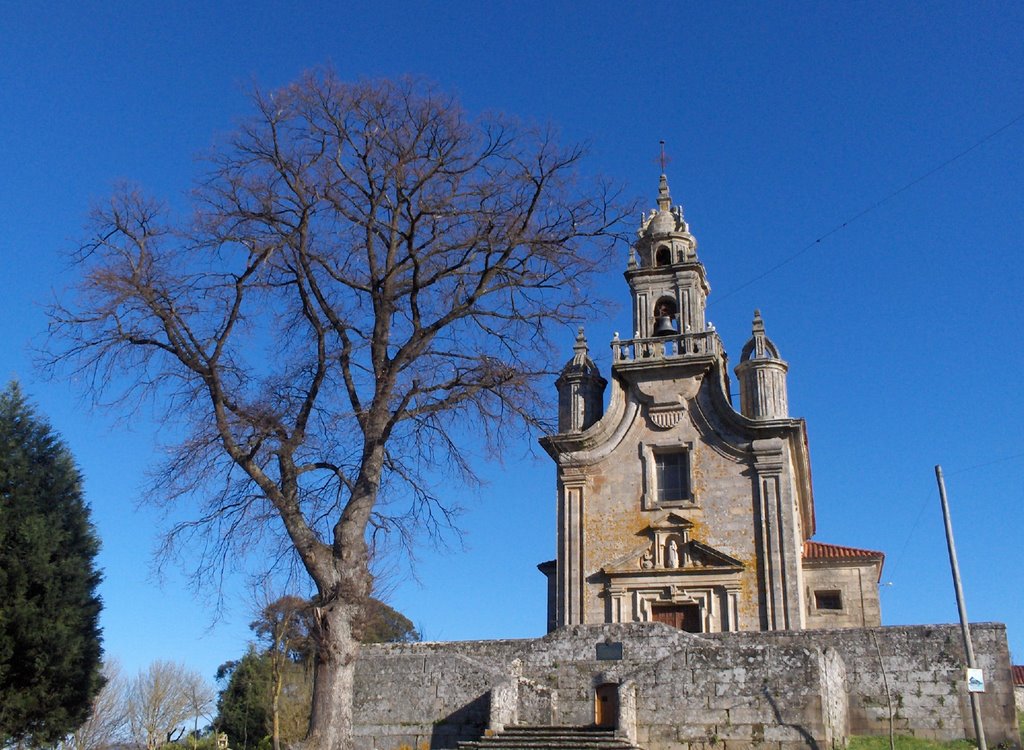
369, 274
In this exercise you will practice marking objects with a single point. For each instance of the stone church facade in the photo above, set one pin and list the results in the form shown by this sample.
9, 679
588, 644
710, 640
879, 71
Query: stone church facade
689, 607
675, 505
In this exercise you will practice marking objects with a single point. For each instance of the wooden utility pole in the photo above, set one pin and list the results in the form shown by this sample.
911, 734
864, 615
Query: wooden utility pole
979, 730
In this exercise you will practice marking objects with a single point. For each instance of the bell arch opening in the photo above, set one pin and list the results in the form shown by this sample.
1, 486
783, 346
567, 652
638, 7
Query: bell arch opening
665, 310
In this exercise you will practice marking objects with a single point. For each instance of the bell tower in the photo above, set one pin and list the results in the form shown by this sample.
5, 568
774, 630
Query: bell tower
674, 506
667, 282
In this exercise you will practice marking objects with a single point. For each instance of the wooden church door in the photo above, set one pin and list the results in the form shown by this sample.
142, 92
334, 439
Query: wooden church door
683, 616
606, 705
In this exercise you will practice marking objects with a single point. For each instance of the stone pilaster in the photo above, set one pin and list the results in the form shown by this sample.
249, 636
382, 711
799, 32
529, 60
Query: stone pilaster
779, 550
571, 576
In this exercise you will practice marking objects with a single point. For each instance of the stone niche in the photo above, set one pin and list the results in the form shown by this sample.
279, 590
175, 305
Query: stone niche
671, 578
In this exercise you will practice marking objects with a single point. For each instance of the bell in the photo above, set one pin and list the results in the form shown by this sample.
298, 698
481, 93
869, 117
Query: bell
663, 326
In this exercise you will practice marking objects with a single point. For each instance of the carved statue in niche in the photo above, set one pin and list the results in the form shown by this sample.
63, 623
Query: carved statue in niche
672, 554
647, 559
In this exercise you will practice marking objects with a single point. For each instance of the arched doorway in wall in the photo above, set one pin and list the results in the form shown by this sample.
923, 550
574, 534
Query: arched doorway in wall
606, 705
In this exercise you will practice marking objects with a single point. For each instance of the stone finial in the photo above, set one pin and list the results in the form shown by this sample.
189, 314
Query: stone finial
580, 363
580, 349
762, 376
580, 389
664, 199
666, 219
759, 346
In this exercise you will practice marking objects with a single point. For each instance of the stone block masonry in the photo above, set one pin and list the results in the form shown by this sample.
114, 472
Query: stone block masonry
923, 668
671, 690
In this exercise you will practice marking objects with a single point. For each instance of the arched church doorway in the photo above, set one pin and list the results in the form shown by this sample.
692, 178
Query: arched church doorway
606, 705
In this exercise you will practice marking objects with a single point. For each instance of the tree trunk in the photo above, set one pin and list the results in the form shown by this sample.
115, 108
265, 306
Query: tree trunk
276, 704
336, 615
330, 722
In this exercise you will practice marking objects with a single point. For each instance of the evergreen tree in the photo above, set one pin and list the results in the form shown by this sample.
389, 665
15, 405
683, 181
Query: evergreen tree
382, 623
243, 708
49, 610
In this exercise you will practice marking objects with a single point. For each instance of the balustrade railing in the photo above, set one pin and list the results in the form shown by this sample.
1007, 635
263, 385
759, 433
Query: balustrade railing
701, 344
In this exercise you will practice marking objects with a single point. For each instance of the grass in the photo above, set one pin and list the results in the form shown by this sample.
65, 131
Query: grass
860, 742
907, 743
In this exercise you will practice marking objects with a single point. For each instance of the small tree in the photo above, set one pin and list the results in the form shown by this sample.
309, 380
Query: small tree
382, 623
284, 626
369, 277
49, 610
108, 717
200, 705
270, 690
161, 700
243, 706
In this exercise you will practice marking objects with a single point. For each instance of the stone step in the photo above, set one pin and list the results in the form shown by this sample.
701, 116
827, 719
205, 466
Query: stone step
540, 741
578, 728
583, 737
585, 732
542, 744
533, 737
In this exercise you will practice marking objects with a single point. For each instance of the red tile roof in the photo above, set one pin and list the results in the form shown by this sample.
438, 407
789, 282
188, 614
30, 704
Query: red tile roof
822, 551
1018, 675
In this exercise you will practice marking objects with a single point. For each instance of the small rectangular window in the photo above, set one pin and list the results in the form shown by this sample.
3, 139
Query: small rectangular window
672, 476
828, 600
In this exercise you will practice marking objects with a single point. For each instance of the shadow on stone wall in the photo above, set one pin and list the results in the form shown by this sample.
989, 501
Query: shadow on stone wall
799, 728
465, 723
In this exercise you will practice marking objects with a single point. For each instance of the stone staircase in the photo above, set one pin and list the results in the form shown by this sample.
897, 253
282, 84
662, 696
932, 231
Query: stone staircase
522, 737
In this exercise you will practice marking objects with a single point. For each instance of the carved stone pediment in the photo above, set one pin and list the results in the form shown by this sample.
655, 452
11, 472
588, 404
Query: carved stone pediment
703, 556
670, 522
666, 548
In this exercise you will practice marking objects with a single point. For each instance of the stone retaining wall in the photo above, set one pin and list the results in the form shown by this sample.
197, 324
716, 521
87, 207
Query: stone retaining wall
678, 691
924, 667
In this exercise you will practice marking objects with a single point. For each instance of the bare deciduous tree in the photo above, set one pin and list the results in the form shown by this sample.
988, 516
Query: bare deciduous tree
369, 278
162, 699
108, 718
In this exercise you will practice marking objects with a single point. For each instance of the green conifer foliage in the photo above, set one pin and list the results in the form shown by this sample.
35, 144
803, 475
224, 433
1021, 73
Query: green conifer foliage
243, 709
49, 611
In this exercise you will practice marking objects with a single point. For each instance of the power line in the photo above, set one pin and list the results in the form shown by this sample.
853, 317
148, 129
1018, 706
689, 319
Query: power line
924, 503
987, 463
910, 534
859, 215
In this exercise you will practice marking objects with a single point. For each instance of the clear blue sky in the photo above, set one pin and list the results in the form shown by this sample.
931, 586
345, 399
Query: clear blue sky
902, 329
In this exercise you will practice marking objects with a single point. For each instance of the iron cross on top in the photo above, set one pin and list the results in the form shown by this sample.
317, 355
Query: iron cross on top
663, 158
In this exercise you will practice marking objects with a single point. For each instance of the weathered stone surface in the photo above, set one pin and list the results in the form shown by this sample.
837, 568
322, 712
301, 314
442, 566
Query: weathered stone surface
742, 689
674, 505
924, 666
